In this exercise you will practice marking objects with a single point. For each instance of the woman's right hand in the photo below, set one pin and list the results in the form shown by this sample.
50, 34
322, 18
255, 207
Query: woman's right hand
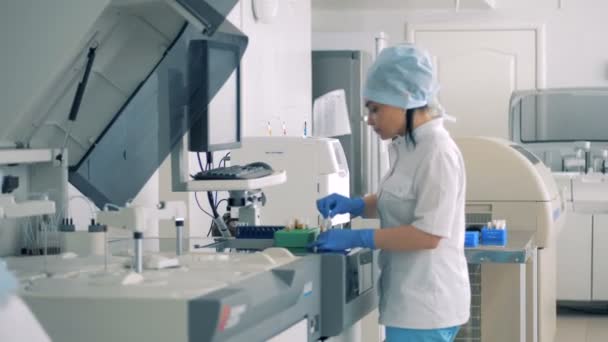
335, 204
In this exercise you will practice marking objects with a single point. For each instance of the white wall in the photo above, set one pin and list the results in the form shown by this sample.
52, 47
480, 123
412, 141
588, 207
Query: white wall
575, 33
277, 69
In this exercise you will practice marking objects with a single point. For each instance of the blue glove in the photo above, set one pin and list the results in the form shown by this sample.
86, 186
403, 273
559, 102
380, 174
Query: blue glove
342, 239
334, 204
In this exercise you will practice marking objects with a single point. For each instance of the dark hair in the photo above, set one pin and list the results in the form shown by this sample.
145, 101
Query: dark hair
409, 123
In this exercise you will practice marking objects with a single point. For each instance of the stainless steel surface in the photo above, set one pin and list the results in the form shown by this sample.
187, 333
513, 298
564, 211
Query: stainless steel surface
179, 240
139, 263
520, 245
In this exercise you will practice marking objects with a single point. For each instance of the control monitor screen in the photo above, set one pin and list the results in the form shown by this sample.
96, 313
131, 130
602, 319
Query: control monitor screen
223, 109
214, 106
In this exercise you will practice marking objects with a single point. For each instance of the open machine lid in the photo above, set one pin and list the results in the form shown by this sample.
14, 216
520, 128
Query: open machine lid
141, 55
555, 123
559, 115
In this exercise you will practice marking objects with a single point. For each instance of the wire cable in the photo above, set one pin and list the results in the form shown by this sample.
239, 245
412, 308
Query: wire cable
211, 195
210, 166
64, 145
215, 199
199, 205
224, 159
200, 163
88, 201
110, 205
218, 203
212, 205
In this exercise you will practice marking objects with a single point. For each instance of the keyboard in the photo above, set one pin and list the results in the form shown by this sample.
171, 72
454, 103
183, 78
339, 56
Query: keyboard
234, 172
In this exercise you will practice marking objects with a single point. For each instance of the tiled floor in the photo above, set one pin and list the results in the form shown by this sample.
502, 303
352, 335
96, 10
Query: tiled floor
582, 328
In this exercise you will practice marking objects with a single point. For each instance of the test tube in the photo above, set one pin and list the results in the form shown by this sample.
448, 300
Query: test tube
139, 262
179, 232
327, 223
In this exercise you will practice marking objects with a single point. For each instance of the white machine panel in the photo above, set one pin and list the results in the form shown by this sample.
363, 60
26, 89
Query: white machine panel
590, 193
42, 190
600, 258
315, 167
582, 272
113, 298
574, 258
297, 333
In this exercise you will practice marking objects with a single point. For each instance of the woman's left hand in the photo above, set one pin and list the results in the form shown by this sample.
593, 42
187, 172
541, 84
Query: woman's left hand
342, 239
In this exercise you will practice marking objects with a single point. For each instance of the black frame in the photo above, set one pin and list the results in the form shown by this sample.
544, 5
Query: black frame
540, 142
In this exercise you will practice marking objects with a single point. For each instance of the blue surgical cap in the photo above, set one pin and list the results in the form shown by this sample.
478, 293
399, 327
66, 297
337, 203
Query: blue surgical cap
401, 76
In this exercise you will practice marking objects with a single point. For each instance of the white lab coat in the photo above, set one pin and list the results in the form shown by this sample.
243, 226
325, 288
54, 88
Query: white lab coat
425, 187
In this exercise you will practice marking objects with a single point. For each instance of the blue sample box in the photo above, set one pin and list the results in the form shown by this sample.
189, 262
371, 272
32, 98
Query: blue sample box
471, 239
493, 237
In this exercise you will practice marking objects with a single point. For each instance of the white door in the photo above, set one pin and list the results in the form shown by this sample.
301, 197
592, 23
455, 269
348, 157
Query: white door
478, 69
574, 258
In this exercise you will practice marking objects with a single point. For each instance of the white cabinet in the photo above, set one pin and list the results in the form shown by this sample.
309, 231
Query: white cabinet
582, 258
574, 252
599, 288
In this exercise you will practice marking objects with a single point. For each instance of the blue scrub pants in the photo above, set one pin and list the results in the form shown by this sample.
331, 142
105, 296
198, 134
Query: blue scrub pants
421, 335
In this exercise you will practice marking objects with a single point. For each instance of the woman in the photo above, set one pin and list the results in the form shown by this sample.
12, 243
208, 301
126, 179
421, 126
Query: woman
424, 284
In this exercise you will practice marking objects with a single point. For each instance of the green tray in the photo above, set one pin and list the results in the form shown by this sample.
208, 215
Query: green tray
298, 250
296, 238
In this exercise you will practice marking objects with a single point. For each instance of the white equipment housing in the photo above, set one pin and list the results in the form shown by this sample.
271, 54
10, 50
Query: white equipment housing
505, 181
40, 174
315, 167
137, 218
